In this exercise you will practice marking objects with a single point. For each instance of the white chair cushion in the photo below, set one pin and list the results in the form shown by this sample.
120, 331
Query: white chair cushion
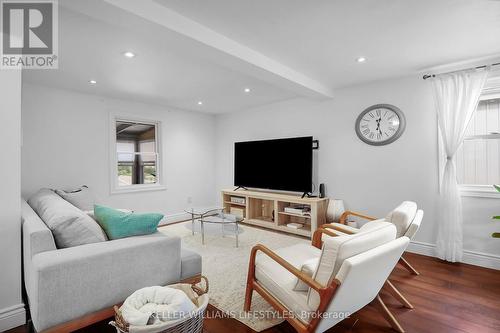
336, 249
415, 224
280, 282
402, 216
309, 268
361, 278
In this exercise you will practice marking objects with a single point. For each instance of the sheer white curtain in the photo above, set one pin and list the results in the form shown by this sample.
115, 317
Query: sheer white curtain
456, 96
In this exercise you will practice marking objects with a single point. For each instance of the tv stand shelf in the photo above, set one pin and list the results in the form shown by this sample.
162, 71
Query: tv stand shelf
267, 210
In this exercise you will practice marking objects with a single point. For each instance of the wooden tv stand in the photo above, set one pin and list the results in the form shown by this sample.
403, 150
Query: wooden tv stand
267, 209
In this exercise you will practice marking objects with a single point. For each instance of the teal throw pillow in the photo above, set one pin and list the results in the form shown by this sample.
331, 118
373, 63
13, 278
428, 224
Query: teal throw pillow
119, 224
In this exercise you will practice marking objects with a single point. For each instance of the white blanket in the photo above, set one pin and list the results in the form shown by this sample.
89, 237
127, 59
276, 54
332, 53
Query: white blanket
153, 305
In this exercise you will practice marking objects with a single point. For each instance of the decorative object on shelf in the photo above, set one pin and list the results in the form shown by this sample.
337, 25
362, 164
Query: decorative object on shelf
380, 124
322, 190
238, 200
301, 210
237, 211
335, 210
295, 225
497, 217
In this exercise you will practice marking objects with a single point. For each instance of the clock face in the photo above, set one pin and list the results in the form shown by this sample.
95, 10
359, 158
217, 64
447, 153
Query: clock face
380, 124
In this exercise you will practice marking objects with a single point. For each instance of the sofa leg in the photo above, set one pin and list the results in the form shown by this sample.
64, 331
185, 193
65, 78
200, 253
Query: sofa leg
389, 316
248, 297
397, 294
407, 265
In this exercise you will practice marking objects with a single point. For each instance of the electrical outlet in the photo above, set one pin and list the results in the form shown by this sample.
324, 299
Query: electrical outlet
189, 200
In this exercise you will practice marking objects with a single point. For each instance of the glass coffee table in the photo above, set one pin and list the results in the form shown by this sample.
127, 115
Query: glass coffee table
215, 216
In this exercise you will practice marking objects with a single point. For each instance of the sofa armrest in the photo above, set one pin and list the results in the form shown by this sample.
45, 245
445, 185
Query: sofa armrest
72, 282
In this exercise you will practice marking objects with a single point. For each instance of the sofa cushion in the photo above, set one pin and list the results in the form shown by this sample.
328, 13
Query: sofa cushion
119, 224
80, 197
337, 249
69, 225
402, 216
190, 264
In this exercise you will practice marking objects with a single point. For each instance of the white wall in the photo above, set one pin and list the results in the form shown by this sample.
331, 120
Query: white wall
12, 312
65, 137
369, 179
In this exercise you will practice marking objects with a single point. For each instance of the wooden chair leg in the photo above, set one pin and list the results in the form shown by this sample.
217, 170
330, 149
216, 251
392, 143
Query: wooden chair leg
407, 265
248, 297
389, 316
397, 294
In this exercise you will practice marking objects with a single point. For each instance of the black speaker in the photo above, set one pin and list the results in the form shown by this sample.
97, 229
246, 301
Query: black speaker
321, 190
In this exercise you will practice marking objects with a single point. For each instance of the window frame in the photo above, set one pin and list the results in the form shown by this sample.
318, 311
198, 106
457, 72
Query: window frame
115, 188
476, 190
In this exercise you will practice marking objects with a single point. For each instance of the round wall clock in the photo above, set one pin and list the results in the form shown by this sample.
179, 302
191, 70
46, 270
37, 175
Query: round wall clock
380, 124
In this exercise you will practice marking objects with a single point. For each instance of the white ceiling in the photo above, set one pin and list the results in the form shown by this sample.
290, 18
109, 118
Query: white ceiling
166, 71
280, 49
322, 38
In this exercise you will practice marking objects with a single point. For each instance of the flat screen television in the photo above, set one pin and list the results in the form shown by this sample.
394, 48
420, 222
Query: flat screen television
281, 164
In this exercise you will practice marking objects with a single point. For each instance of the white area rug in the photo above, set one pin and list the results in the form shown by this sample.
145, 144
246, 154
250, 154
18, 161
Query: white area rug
226, 266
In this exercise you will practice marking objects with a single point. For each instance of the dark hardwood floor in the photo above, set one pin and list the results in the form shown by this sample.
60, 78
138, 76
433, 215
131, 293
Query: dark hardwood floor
447, 298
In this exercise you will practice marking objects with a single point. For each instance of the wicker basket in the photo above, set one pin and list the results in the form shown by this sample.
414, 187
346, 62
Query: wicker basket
190, 324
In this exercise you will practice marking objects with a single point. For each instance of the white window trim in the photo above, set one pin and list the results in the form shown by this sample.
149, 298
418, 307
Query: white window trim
479, 191
113, 161
482, 191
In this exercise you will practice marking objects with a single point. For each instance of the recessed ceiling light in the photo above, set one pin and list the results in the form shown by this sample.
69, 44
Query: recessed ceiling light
92, 82
247, 90
200, 103
361, 59
129, 54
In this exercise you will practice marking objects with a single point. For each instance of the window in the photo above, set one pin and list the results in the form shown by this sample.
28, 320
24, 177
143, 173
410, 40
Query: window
136, 155
478, 158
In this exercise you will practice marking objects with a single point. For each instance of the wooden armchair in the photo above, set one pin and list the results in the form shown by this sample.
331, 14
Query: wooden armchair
406, 217
339, 282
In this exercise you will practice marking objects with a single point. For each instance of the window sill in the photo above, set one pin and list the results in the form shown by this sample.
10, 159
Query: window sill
478, 191
138, 188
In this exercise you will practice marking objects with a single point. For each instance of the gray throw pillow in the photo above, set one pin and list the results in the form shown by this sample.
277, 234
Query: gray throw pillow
80, 197
69, 225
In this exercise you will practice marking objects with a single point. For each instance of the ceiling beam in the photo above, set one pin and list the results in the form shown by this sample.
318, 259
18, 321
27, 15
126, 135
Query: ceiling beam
233, 54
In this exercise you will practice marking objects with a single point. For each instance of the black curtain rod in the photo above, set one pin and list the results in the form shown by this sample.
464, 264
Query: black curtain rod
427, 76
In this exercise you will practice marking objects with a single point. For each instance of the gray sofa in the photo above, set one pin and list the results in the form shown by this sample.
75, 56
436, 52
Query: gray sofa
65, 285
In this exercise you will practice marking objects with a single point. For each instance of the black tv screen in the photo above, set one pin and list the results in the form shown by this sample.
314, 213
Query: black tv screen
281, 164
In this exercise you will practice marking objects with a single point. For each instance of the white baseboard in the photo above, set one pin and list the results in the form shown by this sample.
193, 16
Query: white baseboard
12, 316
469, 257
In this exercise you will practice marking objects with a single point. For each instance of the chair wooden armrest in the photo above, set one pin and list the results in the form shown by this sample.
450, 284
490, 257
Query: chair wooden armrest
316, 240
325, 292
343, 217
336, 228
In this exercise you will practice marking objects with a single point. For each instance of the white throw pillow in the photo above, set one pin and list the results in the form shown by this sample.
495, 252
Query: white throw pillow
309, 268
402, 216
81, 197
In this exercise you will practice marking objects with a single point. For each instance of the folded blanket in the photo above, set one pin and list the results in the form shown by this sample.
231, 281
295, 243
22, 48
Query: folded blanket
153, 305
